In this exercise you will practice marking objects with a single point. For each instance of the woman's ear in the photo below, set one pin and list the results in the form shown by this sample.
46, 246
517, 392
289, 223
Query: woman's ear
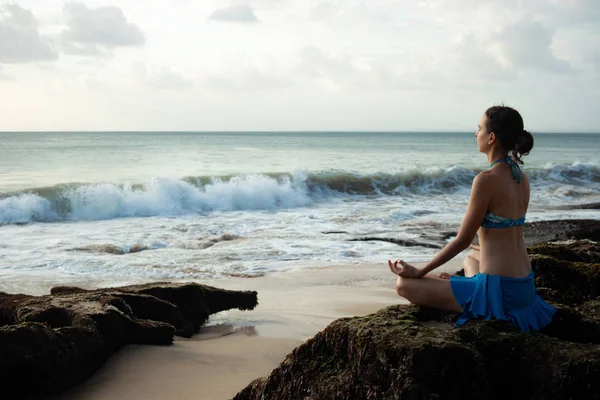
492, 138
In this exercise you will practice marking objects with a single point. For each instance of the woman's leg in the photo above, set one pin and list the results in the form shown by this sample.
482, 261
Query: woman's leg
471, 264
430, 291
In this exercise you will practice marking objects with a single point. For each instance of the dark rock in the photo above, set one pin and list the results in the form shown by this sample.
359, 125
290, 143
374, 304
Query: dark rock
50, 343
8, 304
400, 353
570, 282
66, 290
401, 242
36, 360
136, 248
448, 234
576, 250
110, 249
101, 248
197, 302
544, 231
410, 352
579, 324
585, 206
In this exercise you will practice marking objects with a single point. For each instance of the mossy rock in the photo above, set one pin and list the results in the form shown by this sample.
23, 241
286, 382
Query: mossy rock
575, 251
570, 282
400, 353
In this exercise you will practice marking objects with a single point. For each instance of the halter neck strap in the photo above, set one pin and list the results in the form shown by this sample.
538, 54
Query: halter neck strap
516, 170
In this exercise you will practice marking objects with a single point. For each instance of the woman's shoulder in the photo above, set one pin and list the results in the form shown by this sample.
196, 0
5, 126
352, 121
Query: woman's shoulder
484, 177
484, 180
495, 178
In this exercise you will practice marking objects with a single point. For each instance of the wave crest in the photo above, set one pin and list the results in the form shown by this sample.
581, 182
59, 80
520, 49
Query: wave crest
161, 196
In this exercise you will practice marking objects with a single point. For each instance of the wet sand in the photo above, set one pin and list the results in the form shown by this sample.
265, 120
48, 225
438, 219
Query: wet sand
236, 347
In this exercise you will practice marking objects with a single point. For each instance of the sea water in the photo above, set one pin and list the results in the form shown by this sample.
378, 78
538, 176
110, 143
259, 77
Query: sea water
215, 205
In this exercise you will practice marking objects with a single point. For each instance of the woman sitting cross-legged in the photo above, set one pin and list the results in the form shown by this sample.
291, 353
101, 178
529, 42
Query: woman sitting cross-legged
498, 281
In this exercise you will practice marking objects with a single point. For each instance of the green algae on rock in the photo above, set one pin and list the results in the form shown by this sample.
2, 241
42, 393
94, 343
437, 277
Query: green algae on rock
411, 352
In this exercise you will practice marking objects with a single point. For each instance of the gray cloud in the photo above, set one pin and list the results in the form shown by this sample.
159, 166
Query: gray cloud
20, 40
241, 14
526, 45
379, 73
470, 60
90, 32
594, 59
4, 76
570, 12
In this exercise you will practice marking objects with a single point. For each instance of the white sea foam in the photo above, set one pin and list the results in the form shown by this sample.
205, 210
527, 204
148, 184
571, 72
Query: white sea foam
166, 196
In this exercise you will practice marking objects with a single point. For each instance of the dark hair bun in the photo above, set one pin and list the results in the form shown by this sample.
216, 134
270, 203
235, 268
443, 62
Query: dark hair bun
523, 145
507, 124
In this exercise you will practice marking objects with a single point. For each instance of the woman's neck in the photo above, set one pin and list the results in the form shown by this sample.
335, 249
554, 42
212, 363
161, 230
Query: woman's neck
495, 155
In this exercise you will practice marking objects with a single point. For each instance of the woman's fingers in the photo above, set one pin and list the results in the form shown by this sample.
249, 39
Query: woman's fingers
394, 267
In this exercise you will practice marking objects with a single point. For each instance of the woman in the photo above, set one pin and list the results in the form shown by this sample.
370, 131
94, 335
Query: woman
498, 281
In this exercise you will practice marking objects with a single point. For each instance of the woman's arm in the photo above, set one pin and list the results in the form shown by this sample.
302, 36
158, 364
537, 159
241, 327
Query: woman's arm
478, 205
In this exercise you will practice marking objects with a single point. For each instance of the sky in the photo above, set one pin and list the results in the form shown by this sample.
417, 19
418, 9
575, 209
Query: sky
297, 65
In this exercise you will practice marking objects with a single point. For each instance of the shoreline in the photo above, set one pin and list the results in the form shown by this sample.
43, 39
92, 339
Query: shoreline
235, 347
39, 283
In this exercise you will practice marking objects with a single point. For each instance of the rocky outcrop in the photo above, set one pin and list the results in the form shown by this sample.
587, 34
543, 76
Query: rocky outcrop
534, 232
111, 249
575, 229
586, 251
410, 352
567, 272
585, 206
50, 343
401, 242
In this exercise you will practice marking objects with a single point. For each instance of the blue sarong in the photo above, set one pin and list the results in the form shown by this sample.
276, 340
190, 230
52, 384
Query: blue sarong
489, 297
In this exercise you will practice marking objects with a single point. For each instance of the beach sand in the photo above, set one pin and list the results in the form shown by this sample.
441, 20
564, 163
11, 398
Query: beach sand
236, 347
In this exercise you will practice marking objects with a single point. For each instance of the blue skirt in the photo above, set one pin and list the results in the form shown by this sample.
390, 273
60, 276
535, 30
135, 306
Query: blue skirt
489, 297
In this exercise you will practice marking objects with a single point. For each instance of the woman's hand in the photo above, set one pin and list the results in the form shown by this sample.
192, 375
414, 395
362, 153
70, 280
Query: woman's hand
444, 275
405, 270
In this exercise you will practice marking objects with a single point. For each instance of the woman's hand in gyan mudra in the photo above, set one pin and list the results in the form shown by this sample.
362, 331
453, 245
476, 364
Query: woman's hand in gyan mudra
405, 270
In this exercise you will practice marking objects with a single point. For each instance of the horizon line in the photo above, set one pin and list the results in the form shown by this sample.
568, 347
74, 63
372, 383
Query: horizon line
284, 131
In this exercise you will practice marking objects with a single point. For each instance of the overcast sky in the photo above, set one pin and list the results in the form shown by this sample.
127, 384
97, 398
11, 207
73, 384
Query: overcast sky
297, 64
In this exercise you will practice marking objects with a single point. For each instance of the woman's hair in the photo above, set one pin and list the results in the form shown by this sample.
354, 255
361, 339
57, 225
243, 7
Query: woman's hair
507, 124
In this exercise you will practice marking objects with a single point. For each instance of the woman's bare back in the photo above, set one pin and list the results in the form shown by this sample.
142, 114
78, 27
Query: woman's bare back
502, 250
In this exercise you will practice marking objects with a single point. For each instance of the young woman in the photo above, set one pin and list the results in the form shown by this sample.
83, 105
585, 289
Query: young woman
498, 281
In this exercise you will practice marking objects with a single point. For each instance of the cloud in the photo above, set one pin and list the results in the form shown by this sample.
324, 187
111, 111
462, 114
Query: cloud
162, 77
571, 12
470, 60
527, 45
594, 62
241, 14
90, 32
340, 71
4, 76
20, 40
248, 79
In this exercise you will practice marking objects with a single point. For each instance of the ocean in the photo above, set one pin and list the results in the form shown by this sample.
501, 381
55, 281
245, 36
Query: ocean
217, 205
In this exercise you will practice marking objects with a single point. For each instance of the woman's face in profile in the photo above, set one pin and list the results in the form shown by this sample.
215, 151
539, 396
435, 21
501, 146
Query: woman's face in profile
482, 134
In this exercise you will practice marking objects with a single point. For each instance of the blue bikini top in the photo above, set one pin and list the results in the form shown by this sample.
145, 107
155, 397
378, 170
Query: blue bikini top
491, 220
